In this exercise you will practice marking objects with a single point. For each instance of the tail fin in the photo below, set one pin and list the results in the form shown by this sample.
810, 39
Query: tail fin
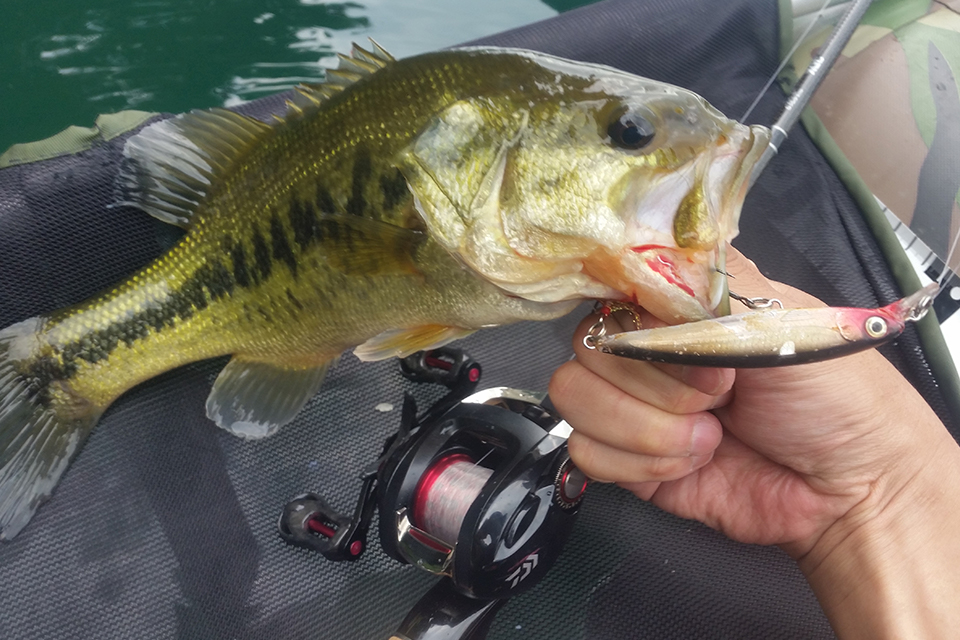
36, 440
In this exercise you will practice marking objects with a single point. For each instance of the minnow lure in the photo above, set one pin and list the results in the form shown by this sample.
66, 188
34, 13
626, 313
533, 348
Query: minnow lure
768, 337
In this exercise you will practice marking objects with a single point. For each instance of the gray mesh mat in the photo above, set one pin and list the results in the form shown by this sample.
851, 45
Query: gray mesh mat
164, 527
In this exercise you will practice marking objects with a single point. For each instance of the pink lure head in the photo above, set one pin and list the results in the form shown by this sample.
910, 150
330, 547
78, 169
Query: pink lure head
885, 323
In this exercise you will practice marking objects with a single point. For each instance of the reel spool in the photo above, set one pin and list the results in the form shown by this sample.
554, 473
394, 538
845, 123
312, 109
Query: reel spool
486, 495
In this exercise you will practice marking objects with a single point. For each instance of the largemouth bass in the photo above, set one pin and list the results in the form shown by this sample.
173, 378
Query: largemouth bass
398, 206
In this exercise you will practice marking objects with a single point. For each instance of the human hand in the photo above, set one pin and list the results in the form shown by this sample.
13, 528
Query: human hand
803, 448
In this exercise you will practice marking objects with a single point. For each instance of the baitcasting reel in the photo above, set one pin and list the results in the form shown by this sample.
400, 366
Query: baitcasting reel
479, 489
486, 494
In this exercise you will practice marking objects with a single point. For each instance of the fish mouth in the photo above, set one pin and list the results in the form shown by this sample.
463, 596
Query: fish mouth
727, 177
728, 180
674, 261
755, 145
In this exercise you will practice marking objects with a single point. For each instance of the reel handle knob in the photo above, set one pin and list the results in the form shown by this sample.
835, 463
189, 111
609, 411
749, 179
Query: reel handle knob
453, 368
308, 521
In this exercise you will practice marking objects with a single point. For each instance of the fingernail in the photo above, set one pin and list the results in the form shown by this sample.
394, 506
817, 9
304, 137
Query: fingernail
706, 437
697, 462
708, 381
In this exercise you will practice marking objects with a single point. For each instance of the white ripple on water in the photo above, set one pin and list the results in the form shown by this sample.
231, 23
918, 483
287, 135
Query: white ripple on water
245, 88
75, 44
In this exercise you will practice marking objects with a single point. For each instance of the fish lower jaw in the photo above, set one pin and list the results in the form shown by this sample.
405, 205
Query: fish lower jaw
659, 280
574, 286
673, 308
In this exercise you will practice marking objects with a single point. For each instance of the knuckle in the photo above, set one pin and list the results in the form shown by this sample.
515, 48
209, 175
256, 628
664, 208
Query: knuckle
665, 469
684, 400
585, 454
565, 382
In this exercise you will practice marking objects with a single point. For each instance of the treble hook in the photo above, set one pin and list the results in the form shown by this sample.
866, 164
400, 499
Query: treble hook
604, 309
756, 303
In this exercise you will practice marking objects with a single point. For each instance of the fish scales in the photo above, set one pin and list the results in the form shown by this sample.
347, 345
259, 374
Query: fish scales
178, 304
395, 211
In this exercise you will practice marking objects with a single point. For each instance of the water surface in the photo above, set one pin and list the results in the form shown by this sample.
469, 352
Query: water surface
62, 62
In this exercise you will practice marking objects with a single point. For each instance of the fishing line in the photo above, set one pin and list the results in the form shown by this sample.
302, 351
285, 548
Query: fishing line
786, 60
946, 263
445, 493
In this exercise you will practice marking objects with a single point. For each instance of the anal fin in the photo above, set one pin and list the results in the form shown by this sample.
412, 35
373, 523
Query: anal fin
403, 342
253, 399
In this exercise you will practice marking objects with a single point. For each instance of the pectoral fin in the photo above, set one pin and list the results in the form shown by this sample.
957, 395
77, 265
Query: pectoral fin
403, 342
253, 399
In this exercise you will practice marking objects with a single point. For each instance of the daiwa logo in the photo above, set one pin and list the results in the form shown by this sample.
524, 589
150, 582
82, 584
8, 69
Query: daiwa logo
523, 570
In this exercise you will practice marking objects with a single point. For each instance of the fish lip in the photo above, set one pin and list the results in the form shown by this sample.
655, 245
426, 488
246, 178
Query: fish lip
726, 177
732, 195
756, 144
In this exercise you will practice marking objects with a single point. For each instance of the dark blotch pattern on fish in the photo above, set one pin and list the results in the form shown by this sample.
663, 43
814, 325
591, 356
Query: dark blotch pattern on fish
209, 283
304, 222
218, 280
331, 229
281, 246
239, 259
362, 168
394, 189
42, 373
325, 203
261, 254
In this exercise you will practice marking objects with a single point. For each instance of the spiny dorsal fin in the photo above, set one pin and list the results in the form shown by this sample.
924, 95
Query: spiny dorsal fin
169, 166
307, 98
378, 56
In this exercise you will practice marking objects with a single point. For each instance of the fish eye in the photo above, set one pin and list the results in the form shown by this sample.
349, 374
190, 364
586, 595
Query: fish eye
876, 327
631, 131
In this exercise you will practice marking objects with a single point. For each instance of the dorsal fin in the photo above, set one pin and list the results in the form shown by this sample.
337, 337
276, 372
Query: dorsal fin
169, 166
307, 98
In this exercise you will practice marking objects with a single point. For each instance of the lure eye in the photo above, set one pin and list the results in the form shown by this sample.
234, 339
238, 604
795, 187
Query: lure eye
876, 327
631, 131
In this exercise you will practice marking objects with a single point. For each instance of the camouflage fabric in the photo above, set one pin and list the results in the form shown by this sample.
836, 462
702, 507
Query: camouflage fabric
892, 105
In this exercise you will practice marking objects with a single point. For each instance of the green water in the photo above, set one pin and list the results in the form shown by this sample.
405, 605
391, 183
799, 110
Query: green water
62, 62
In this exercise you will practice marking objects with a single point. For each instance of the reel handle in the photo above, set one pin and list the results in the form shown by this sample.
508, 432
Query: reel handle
453, 368
308, 521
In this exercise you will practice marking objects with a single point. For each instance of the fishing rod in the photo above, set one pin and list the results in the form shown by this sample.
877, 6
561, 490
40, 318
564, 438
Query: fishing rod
817, 70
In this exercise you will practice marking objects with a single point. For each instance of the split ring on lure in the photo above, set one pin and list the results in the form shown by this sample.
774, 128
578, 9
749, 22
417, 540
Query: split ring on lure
770, 337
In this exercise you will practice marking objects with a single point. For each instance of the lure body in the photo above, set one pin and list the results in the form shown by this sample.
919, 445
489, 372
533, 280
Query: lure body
771, 338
